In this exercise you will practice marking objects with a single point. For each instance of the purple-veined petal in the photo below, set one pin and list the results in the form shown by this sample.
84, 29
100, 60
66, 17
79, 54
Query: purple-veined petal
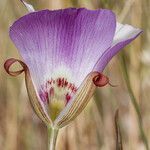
123, 36
62, 47
63, 42
28, 6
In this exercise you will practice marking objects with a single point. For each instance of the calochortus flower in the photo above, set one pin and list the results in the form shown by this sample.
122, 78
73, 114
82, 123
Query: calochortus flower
64, 53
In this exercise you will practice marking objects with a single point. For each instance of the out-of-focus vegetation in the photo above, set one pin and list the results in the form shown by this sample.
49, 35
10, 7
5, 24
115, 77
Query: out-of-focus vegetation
94, 129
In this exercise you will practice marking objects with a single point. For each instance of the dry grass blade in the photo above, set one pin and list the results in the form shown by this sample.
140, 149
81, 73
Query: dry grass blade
28, 6
118, 132
134, 101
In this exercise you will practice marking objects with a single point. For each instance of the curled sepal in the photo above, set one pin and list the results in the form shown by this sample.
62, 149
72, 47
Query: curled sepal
100, 80
81, 99
33, 95
28, 6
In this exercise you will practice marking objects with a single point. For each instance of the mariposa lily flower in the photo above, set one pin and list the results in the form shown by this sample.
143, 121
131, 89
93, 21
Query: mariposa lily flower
64, 54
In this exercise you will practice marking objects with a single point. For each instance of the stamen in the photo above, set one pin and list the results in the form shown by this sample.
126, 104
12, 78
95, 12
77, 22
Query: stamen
68, 97
57, 89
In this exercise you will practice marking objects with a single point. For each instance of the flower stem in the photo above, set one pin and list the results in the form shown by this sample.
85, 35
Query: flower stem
52, 138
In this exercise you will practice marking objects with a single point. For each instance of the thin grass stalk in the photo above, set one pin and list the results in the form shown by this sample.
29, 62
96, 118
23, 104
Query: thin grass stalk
118, 132
134, 101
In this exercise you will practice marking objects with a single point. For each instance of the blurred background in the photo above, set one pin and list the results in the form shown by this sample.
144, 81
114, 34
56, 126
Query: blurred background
95, 128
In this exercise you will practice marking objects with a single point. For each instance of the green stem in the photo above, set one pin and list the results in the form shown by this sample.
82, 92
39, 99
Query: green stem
52, 138
134, 102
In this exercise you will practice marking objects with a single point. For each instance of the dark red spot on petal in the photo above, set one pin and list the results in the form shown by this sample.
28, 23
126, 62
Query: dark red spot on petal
66, 83
44, 96
51, 91
68, 97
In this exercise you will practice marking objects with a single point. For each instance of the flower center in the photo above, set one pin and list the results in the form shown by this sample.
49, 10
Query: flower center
56, 93
57, 90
